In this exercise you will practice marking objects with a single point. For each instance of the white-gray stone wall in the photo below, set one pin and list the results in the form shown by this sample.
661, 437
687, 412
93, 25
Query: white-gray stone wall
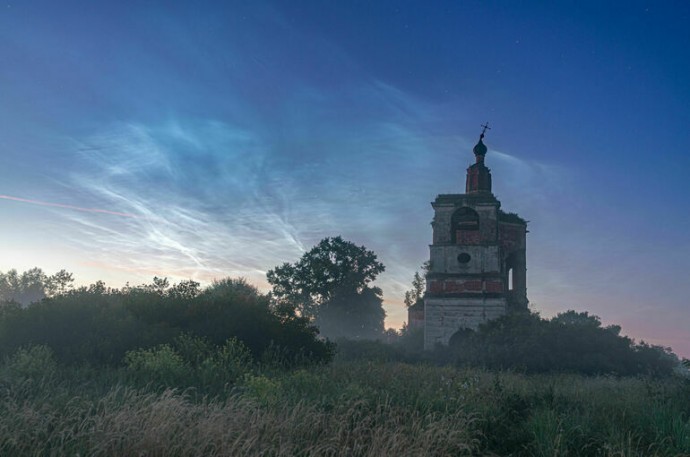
445, 316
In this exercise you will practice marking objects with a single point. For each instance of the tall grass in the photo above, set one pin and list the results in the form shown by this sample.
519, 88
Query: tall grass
342, 409
130, 422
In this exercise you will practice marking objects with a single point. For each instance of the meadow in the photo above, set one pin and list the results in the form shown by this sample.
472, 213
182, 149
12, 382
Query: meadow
161, 370
168, 402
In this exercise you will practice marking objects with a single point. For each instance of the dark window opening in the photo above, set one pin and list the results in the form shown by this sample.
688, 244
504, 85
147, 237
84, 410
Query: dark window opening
464, 219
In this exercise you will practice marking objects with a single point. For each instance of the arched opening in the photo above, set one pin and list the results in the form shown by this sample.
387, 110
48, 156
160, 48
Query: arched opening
510, 265
463, 220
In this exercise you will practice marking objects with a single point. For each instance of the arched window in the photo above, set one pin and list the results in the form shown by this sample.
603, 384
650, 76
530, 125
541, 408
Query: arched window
465, 220
511, 263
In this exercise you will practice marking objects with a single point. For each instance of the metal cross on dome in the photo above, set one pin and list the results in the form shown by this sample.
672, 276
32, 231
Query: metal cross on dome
485, 128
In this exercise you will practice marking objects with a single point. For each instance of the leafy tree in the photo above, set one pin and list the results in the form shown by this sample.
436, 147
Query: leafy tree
186, 289
415, 294
232, 288
26, 288
352, 314
571, 317
329, 282
33, 285
159, 285
332, 266
60, 283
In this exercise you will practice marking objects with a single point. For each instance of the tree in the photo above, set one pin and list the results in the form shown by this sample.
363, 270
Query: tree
415, 294
60, 283
570, 342
352, 314
331, 281
33, 285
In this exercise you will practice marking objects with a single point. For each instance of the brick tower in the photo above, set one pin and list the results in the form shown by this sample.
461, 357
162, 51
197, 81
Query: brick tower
478, 266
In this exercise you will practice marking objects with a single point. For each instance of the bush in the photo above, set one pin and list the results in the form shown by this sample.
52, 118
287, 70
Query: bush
191, 362
160, 365
86, 326
193, 349
98, 326
227, 364
263, 389
33, 362
570, 342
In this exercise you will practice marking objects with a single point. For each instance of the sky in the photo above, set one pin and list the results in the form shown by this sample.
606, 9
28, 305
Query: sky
201, 140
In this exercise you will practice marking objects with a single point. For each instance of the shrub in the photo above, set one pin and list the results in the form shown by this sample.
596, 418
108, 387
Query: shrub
262, 389
227, 364
33, 362
161, 365
193, 349
191, 361
85, 326
98, 326
570, 342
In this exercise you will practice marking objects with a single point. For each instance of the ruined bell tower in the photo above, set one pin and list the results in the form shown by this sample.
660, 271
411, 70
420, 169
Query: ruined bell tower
477, 268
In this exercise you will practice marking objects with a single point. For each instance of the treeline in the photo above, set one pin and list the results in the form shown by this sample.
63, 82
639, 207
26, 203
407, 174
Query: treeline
325, 294
571, 342
97, 325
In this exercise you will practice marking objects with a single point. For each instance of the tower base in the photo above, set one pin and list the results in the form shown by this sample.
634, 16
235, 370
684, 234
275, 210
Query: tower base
443, 317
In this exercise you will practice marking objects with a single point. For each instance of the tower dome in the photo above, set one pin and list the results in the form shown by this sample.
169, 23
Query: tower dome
480, 148
478, 175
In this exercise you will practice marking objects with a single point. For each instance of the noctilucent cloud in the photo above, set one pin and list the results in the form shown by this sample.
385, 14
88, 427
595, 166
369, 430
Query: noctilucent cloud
211, 139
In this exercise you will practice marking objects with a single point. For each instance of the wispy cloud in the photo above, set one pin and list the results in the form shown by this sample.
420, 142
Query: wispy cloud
214, 199
197, 192
70, 207
217, 199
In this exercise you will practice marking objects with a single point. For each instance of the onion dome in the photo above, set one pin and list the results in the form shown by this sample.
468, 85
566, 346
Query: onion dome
480, 148
478, 175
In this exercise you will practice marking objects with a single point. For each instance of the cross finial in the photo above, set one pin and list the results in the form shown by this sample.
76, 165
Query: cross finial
485, 127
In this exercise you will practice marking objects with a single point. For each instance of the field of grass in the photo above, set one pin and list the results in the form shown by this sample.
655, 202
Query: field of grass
347, 408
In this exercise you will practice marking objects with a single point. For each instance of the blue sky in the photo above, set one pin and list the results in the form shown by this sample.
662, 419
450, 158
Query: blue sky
211, 139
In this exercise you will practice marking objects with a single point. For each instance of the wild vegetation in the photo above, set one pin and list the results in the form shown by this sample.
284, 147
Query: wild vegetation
330, 284
161, 402
96, 325
180, 370
569, 342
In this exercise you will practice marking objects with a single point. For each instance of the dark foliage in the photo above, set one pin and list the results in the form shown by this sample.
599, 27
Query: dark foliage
371, 351
96, 325
570, 342
33, 285
511, 218
330, 284
352, 314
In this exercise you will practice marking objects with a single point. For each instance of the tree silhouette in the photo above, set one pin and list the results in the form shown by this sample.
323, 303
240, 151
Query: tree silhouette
330, 284
33, 285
